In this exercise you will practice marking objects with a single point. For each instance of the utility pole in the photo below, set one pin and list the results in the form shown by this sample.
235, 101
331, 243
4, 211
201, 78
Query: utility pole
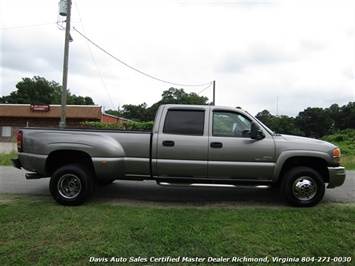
214, 92
63, 119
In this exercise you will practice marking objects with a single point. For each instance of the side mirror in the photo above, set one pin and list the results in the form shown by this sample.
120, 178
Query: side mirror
256, 132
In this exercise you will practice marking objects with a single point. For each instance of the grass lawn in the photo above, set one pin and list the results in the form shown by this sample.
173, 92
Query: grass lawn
5, 158
348, 162
36, 231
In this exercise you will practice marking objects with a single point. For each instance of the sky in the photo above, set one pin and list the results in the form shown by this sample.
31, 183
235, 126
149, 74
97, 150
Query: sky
282, 56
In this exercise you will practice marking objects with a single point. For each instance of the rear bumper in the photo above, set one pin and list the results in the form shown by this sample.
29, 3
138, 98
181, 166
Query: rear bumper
16, 163
336, 176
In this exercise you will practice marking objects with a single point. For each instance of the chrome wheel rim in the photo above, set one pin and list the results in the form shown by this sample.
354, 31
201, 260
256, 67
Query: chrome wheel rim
304, 188
69, 186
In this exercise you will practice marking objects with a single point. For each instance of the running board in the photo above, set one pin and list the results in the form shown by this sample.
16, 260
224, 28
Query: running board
168, 184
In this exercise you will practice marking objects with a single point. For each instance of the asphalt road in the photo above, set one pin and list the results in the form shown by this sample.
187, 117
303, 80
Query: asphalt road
13, 181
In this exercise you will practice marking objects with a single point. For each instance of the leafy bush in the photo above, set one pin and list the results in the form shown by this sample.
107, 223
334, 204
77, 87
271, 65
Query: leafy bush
145, 126
345, 139
141, 126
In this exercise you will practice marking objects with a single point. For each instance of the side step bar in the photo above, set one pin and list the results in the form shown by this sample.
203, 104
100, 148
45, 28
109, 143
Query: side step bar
168, 184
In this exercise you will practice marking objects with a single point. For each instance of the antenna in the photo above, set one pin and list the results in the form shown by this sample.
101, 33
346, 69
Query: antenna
277, 105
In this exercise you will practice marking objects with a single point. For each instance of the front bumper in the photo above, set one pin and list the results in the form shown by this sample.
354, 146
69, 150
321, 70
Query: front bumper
336, 176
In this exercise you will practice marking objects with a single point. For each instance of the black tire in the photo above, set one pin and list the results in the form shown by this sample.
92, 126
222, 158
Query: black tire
303, 187
71, 185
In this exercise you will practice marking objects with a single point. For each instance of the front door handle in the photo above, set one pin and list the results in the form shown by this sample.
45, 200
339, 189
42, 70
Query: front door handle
168, 143
216, 145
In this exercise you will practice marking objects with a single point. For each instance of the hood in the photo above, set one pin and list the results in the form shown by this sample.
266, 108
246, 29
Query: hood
297, 140
302, 139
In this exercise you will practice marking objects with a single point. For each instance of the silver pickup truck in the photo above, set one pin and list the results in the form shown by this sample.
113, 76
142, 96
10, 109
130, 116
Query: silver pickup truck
189, 145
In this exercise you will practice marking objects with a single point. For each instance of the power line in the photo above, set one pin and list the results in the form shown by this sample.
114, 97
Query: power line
205, 88
139, 71
29, 26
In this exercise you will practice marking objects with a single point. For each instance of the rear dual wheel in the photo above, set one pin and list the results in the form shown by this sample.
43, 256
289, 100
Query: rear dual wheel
71, 184
303, 186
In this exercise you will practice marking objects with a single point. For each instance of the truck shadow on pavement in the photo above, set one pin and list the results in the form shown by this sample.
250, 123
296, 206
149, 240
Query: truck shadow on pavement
149, 193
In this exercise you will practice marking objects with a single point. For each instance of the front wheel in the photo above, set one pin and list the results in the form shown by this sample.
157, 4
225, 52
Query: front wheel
303, 187
71, 185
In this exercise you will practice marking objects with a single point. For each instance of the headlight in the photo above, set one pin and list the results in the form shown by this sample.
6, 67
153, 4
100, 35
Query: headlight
336, 155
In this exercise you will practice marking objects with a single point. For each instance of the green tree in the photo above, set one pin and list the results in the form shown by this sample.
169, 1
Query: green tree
334, 113
285, 125
38, 90
171, 96
33, 91
281, 124
136, 112
265, 116
314, 122
179, 96
112, 112
347, 116
176, 96
79, 100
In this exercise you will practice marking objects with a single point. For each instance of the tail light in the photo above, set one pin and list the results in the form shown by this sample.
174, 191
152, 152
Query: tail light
19, 142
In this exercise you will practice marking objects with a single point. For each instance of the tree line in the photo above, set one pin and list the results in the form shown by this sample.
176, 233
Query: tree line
143, 113
312, 122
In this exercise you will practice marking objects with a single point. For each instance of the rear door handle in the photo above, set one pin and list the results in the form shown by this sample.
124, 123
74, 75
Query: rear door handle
168, 143
216, 145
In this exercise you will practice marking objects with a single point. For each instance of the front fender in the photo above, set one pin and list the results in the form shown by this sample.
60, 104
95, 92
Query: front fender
293, 154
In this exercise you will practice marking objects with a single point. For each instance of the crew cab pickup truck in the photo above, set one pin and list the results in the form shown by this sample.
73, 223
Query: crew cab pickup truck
189, 145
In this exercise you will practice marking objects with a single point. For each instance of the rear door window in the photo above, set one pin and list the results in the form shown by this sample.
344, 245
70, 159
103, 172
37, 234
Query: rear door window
184, 122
